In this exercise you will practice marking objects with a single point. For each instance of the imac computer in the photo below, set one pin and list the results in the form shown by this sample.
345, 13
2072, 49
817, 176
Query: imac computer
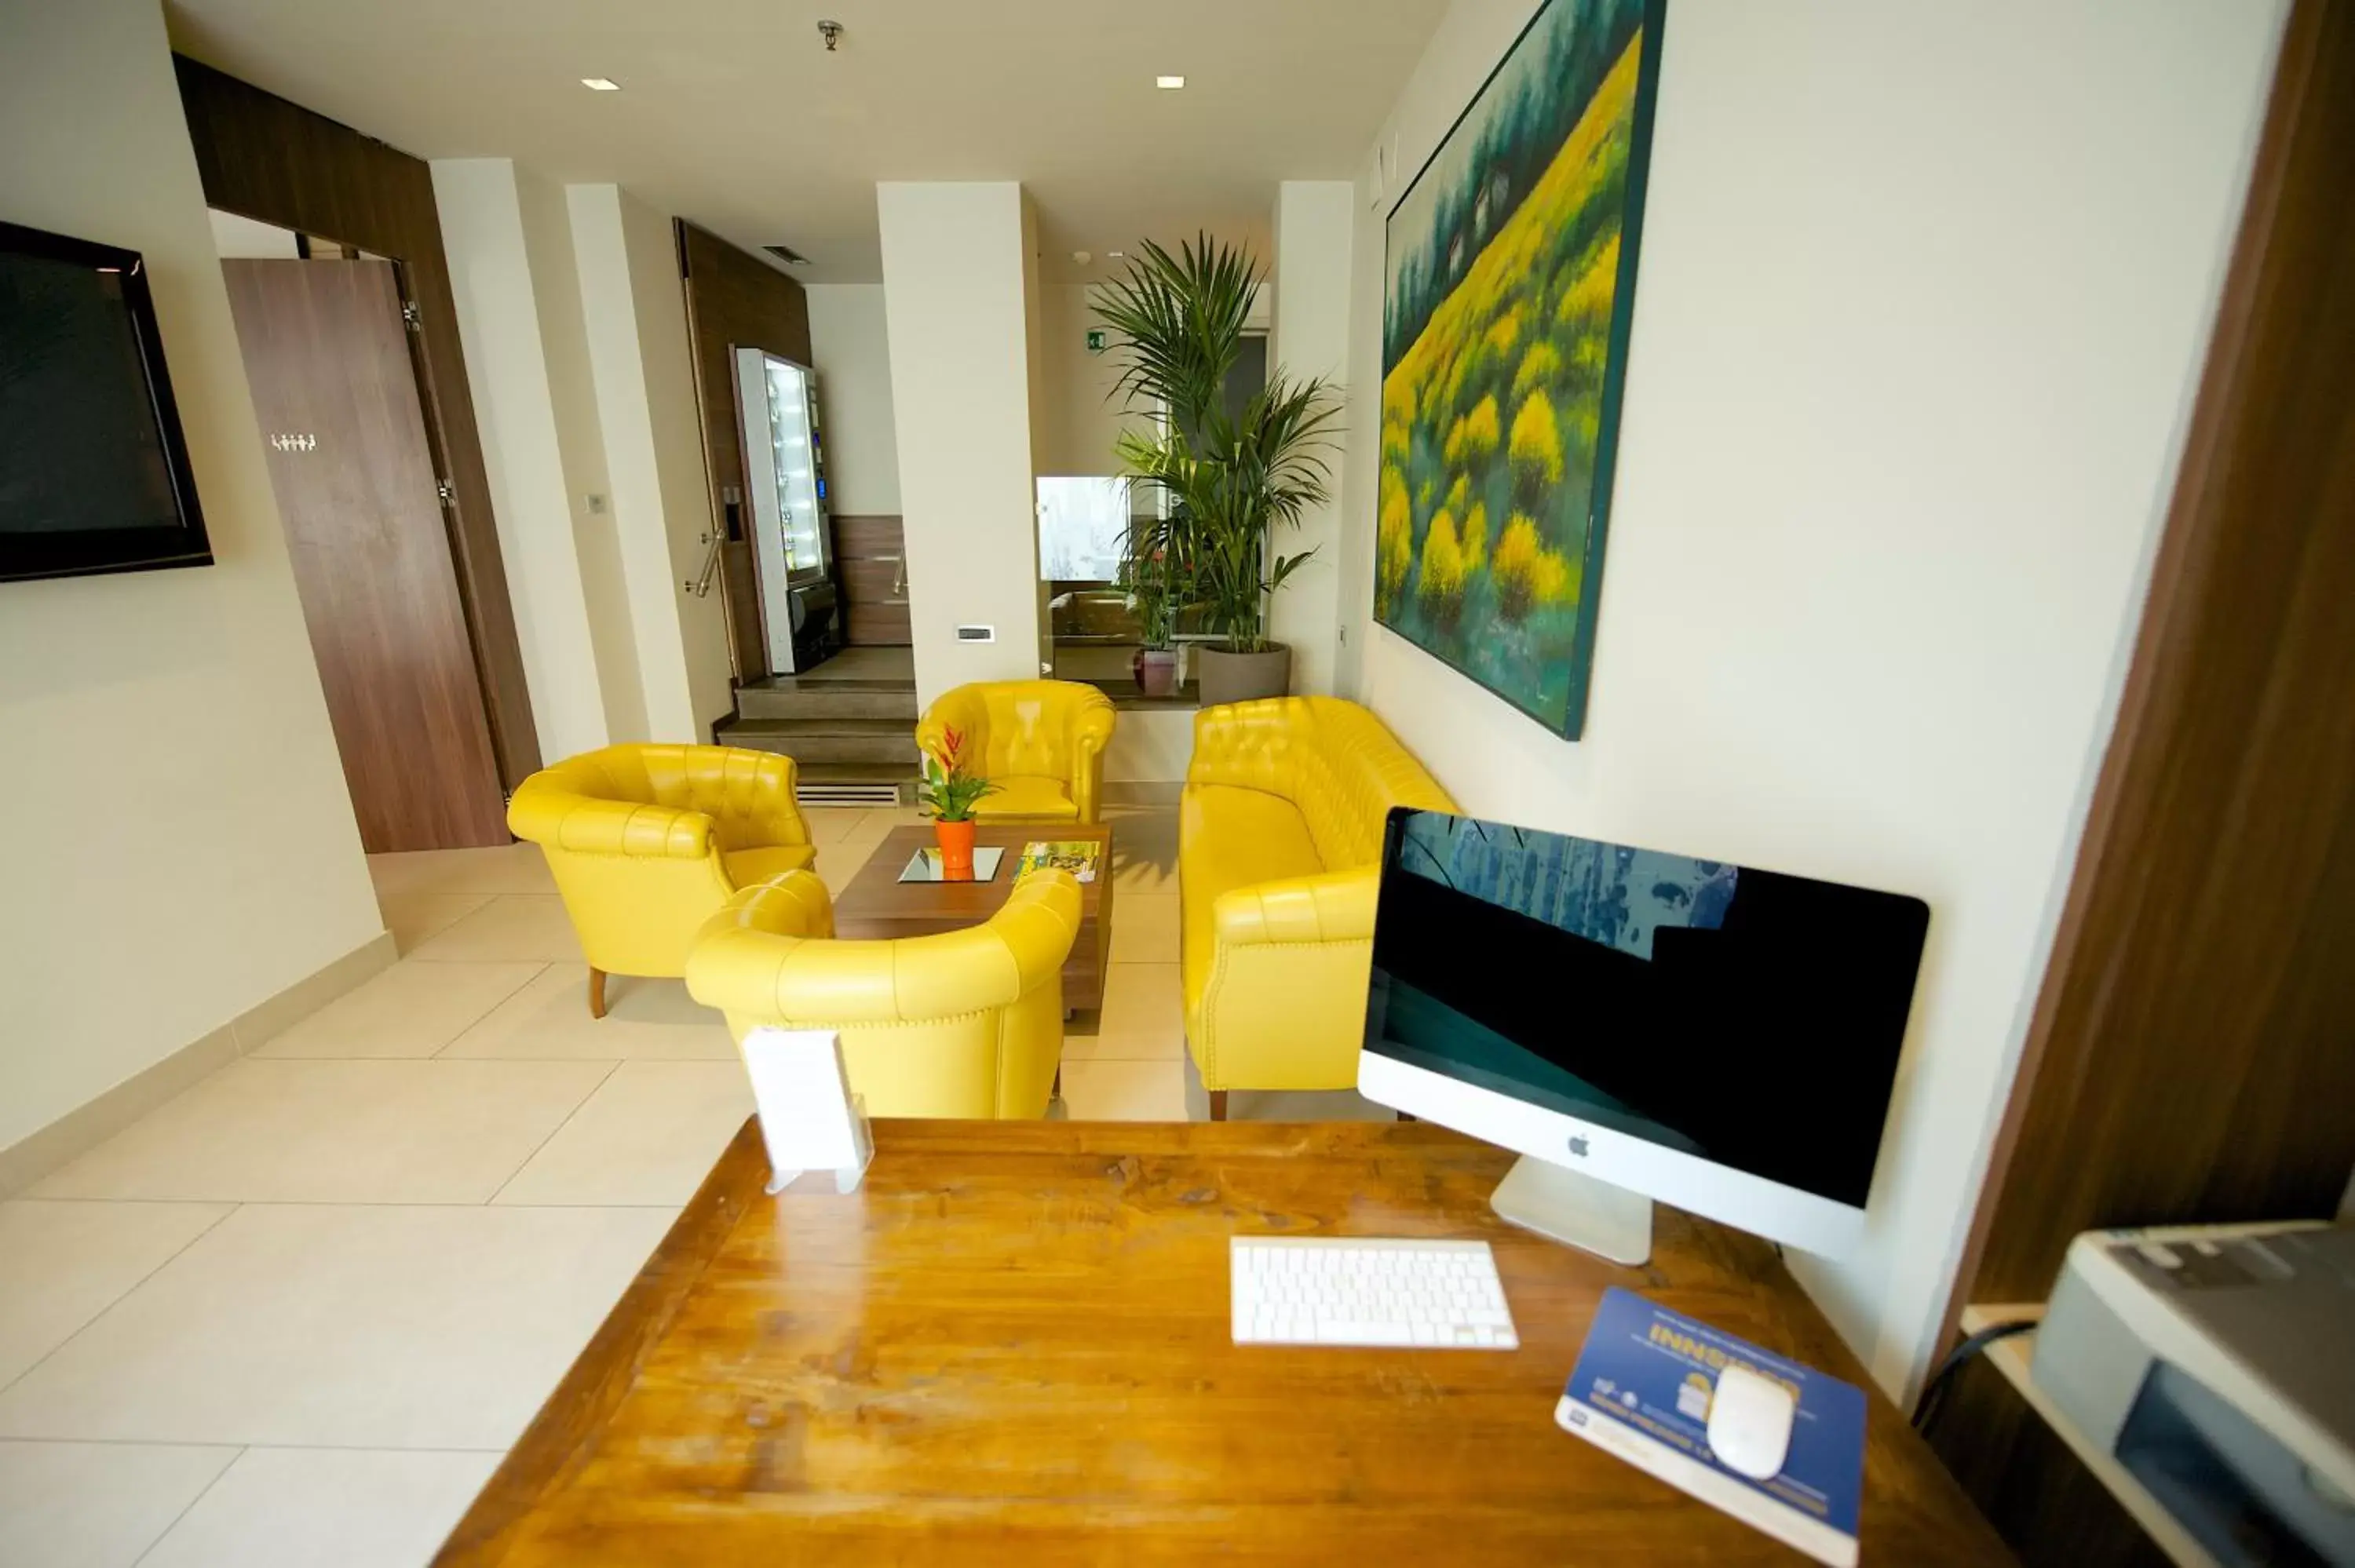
1640, 1026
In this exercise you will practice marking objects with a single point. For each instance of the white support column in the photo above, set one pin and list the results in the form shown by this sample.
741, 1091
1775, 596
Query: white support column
518, 297
1034, 310
957, 298
1311, 337
644, 373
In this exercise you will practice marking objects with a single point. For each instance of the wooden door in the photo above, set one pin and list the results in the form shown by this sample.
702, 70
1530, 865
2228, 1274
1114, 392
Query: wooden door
327, 357
264, 158
871, 563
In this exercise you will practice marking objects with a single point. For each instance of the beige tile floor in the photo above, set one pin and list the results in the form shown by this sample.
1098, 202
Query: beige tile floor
296, 1316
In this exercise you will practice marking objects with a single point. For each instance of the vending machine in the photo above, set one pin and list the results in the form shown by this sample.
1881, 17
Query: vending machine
784, 462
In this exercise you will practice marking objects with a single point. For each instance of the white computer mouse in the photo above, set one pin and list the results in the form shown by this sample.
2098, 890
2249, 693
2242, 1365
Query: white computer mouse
1750, 1422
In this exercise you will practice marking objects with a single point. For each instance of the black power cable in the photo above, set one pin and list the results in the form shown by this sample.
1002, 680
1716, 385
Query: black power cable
1933, 1393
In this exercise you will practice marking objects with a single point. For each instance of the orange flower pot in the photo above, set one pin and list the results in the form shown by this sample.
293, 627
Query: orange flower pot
955, 839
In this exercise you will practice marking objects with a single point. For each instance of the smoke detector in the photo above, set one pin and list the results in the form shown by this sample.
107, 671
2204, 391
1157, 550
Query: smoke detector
1083, 257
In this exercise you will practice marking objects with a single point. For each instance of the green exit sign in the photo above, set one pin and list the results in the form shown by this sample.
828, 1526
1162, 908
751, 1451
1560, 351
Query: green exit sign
1095, 340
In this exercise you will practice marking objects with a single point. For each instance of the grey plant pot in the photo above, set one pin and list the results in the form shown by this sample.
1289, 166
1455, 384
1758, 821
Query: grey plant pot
1243, 677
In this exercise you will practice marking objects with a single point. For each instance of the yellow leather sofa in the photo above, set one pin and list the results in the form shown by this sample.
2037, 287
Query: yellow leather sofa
1279, 853
645, 842
963, 1023
1042, 742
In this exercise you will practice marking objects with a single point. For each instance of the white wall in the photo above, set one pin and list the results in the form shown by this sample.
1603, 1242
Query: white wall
1314, 224
1034, 316
852, 349
1920, 309
666, 353
1079, 418
953, 265
1150, 746
246, 239
183, 846
644, 372
575, 327
580, 442
519, 319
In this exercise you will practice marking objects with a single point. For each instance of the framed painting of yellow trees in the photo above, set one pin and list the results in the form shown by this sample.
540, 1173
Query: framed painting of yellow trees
1510, 282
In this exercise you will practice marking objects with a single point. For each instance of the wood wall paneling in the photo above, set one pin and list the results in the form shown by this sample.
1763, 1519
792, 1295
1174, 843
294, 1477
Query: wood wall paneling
2191, 1053
736, 301
328, 360
870, 569
265, 158
864, 535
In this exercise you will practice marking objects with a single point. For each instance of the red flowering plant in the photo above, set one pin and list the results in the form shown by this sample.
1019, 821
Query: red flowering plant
950, 788
1157, 586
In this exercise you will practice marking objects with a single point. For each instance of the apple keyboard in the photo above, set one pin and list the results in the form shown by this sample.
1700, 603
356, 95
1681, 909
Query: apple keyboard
1354, 1291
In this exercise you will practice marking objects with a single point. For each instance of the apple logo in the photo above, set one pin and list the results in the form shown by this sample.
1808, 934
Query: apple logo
1578, 1147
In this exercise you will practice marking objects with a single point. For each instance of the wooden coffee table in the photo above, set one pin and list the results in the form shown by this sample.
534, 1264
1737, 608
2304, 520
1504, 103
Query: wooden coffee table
877, 904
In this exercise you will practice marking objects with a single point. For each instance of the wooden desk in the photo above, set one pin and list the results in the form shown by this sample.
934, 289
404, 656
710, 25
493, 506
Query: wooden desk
877, 904
1011, 1347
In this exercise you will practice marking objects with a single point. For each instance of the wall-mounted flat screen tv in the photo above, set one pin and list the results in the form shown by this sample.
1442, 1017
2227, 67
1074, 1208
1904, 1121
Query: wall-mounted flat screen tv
93, 470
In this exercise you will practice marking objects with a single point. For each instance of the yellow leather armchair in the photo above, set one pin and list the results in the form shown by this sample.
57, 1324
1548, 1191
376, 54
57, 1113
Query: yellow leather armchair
645, 842
963, 1023
1279, 855
1042, 742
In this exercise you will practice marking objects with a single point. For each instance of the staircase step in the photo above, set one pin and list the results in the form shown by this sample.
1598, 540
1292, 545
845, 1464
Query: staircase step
783, 697
806, 741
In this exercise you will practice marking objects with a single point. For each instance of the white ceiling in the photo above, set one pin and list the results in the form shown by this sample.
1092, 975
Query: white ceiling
733, 115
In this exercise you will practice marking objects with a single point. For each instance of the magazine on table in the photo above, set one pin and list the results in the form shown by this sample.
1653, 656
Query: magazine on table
1078, 856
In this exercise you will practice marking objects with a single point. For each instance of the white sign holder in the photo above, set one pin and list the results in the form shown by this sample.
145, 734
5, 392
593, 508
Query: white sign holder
809, 1118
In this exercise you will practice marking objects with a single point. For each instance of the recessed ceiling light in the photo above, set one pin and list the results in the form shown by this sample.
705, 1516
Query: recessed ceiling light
601, 84
1115, 255
1169, 82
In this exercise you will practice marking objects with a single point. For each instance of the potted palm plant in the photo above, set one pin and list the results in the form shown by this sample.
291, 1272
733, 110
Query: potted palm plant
1231, 479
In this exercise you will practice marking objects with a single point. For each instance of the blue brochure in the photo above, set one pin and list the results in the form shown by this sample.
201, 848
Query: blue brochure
1642, 1390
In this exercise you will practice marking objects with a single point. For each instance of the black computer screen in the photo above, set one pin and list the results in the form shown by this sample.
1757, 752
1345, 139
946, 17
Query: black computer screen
79, 447
1747, 1017
94, 473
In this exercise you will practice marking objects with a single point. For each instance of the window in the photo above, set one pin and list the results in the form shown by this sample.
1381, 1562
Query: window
1082, 522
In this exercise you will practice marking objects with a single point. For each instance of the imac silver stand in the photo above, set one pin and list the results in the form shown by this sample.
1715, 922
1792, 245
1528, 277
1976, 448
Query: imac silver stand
1578, 1211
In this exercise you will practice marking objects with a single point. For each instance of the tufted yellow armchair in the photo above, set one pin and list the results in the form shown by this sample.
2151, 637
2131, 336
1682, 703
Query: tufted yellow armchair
1041, 741
646, 841
1279, 855
964, 1023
